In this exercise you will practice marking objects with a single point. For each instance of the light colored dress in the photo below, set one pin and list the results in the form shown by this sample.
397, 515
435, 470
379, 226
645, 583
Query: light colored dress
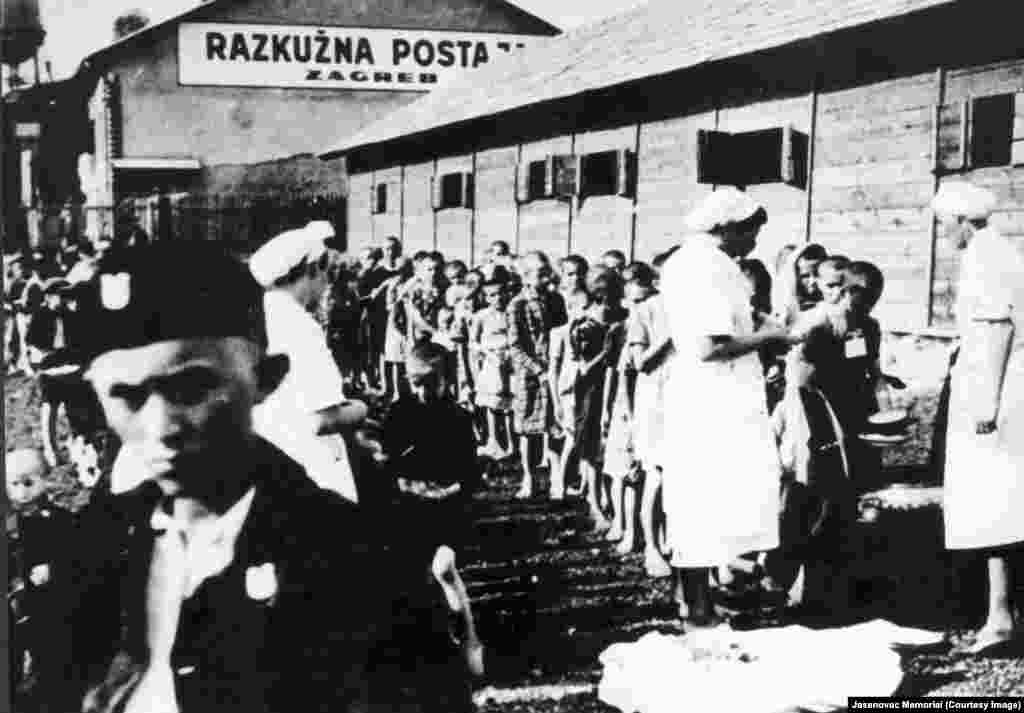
489, 343
721, 485
648, 326
984, 477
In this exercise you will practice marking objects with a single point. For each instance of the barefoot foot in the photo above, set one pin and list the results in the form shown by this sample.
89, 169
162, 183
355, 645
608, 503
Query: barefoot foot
625, 546
655, 564
988, 640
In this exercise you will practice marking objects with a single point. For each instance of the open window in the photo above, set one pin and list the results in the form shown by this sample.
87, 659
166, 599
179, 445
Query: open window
981, 133
535, 180
566, 176
608, 173
776, 155
453, 190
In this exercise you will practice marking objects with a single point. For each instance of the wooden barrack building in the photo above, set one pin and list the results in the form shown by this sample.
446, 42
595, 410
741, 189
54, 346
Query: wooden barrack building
841, 116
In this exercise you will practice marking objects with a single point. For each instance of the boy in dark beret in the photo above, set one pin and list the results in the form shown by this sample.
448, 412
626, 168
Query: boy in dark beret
226, 580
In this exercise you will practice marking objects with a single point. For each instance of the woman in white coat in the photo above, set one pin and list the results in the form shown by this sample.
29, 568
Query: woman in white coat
984, 472
721, 468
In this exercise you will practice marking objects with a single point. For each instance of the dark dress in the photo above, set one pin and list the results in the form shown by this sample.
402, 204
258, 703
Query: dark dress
40, 535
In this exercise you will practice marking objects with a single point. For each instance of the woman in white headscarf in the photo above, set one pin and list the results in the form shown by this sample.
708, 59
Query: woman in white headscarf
984, 472
721, 468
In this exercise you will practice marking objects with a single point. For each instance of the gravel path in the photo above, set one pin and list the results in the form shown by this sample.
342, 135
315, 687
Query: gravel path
550, 595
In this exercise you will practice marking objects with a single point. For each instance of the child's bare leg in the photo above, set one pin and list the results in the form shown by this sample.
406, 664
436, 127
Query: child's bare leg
526, 489
491, 448
654, 561
616, 487
48, 425
389, 377
560, 465
587, 470
630, 506
505, 423
556, 467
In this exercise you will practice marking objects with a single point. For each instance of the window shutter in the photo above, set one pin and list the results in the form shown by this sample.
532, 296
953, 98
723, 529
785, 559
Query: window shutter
468, 188
549, 176
787, 169
952, 122
373, 199
713, 160
523, 181
435, 192
625, 173
566, 179
991, 130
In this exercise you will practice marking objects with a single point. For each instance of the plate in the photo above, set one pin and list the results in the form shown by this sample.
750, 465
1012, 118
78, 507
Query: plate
882, 439
889, 418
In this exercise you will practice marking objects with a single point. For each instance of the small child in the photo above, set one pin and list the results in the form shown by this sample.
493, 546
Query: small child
47, 336
621, 464
39, 535
650, 347
614, 260
453, 335
425, 298
455, 272
395, 339
573, 283
533, 313
344, 325
434, 477
761, 305
831, 279
489, 342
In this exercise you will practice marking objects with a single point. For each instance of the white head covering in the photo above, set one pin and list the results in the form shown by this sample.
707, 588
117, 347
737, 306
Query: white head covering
280, 254
725, 205
959, 198
322, 229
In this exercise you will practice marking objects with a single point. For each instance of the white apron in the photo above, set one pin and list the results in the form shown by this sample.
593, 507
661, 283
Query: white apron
721, 467
984, 477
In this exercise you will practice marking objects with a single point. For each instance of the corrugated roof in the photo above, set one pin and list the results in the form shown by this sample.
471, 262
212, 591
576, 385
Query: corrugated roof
657, 38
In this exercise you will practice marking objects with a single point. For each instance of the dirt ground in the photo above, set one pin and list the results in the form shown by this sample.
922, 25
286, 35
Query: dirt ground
550, 595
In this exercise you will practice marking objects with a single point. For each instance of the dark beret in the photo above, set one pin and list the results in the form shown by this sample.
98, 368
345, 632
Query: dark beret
173, 290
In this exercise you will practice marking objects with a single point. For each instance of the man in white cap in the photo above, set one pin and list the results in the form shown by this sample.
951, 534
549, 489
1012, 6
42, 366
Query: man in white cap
307, 414
721, 483
984, 449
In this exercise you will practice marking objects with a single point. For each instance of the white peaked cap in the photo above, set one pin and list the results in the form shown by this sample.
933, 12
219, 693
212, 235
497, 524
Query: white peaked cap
280, 254
960, 198
723, 206
321, 229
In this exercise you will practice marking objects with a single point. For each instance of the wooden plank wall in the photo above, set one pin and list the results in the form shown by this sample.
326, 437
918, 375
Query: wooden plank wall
1007, 183
871, 182
454, 225
603, 223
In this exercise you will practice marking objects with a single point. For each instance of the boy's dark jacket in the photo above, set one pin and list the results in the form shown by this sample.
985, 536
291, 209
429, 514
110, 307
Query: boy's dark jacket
308, 647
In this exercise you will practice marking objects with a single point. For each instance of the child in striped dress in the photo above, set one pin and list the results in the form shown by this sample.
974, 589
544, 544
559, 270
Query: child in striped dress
532, 315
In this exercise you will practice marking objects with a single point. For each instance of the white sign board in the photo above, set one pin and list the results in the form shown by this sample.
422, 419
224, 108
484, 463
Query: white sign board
311, 57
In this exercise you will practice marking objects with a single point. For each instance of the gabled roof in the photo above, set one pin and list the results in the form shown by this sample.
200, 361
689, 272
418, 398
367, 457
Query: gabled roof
660, 37
205, 9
